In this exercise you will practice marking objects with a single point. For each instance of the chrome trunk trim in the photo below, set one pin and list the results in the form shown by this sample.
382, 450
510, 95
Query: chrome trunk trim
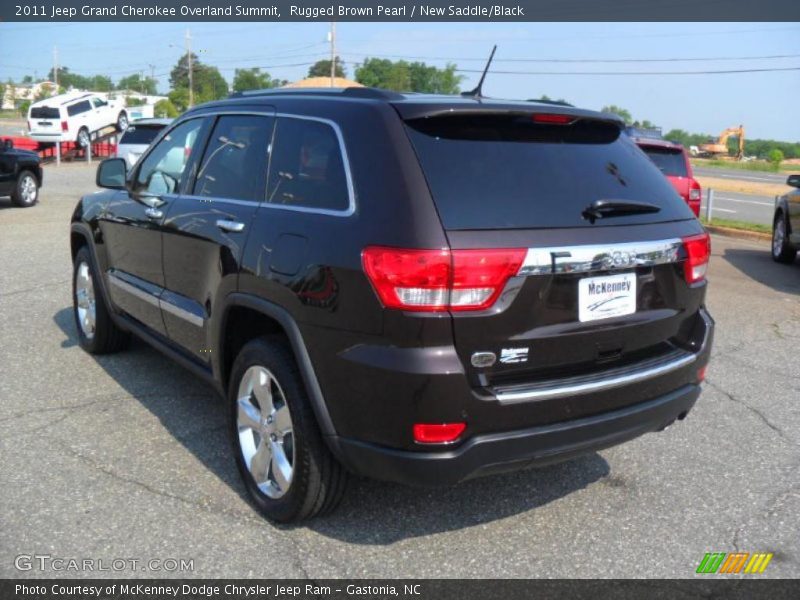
605, 257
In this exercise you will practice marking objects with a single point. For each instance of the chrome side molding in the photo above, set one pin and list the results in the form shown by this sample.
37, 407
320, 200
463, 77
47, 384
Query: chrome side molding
605, 257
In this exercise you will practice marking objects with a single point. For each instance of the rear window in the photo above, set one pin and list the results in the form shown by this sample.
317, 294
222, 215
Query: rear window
507, 172
140, 134
669, 160
44, 112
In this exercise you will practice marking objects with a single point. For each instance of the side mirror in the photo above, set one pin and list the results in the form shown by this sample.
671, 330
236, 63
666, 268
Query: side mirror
111, 173
794, 181
8, 144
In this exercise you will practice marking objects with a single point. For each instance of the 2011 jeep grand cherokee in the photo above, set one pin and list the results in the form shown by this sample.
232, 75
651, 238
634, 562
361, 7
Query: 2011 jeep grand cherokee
416, 288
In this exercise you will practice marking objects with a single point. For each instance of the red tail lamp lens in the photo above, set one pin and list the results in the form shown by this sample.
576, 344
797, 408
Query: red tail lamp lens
698, 251
438, 433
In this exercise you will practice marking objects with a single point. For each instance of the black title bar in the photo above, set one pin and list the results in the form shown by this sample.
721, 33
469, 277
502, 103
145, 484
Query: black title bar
394, 10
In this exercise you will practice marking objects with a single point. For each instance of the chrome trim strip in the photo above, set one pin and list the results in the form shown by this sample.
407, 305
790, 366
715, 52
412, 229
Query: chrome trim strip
133, 290
192, 318
595, 386
599, 257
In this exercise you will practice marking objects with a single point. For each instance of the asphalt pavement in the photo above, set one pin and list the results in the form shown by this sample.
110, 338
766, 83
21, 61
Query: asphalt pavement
125, 456
742, 174
740, 207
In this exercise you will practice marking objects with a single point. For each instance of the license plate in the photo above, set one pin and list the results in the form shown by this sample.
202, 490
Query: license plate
606, 297
43, 123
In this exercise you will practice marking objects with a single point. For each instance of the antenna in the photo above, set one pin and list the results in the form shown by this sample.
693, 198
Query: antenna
477, 92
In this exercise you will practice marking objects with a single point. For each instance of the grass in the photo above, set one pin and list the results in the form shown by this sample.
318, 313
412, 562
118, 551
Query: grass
9, 114
743, 225
751, 165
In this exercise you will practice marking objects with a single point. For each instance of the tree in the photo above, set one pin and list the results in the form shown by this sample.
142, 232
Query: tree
44, 92
620, 112
165, 109
322, 68
402, 76
135, 82
775, 156
23, 107
27, 79
254, 79
549, 100
208, 83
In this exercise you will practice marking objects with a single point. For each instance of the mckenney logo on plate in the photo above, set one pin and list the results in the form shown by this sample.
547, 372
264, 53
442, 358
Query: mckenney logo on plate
606, 297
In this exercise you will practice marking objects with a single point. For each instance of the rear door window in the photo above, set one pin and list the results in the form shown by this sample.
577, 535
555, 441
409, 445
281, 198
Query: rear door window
669, 160
79, 108
506, 171
44, 112
235, 162
308, 168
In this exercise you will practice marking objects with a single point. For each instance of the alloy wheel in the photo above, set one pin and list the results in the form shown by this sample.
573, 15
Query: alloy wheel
28, 189
778, 236
266, 435
85, 300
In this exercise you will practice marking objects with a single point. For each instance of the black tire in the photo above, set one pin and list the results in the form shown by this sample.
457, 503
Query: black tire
782, 250
122, 121
318, 480
27, 184
107, 337
84, 138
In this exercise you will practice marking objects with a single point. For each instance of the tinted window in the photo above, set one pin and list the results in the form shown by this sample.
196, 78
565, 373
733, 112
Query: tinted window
80, 107
307, 167
98, 102
236, 159
140, 134
505, 171
161, 170
669, 160
44, 112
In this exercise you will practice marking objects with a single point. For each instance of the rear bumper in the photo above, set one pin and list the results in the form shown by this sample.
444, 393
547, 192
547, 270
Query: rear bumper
494, 453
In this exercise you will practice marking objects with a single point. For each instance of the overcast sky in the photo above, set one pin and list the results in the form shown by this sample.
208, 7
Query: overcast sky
765, 102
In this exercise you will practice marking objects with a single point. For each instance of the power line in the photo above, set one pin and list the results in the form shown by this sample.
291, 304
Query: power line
721, 72
576, 60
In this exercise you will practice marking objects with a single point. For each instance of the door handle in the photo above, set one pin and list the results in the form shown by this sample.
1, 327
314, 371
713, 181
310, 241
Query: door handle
232, 226
153, 213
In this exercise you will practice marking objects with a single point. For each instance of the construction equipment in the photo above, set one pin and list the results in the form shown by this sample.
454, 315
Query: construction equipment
719, 147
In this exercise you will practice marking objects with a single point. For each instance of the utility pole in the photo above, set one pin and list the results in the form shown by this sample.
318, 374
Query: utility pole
189, 64
332, 36
152, 74
55, 66
141, 81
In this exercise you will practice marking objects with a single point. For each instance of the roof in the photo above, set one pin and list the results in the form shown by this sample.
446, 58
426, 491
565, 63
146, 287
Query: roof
62, 99
323, 82
413, 105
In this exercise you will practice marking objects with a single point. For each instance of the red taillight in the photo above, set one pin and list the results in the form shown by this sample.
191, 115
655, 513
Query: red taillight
438, 433
698, 251
64, 126
438, 280
552, 119
695, 192
701, 374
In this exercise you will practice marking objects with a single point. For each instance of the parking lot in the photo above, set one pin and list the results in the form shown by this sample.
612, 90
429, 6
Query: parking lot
125, 456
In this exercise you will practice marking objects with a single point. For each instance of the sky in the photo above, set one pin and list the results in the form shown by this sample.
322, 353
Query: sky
764, 102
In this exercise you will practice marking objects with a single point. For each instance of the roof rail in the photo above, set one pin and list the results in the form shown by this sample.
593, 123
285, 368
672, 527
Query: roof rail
351, 92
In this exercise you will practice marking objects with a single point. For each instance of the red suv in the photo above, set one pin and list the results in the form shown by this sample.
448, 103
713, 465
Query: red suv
673, 160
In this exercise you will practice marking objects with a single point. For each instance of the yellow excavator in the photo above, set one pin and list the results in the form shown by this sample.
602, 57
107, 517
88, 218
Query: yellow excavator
719, 147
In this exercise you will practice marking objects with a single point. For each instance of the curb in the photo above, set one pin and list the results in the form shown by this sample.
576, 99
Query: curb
739, 233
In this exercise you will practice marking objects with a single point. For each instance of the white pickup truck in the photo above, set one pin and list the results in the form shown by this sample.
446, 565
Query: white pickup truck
75, 117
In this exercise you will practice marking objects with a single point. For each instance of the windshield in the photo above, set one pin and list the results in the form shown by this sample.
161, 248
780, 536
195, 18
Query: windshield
505, 171
669, 160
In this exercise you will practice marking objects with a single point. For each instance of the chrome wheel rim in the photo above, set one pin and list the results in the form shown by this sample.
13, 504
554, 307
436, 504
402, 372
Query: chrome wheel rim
122, 122
28, 189
85, 301
777, 237
266, 435
83, 139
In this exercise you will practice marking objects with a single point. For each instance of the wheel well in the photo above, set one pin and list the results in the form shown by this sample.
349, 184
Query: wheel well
32, 172
76, 242
242, 325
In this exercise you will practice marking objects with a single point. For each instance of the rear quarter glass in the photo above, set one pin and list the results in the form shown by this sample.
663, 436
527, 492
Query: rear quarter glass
508, 172
140, 134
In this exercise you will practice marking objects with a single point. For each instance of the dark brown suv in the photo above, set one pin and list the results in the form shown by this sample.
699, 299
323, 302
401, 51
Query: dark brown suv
416, 288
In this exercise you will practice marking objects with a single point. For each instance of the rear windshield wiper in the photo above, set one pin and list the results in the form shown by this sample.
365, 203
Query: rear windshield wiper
616, 208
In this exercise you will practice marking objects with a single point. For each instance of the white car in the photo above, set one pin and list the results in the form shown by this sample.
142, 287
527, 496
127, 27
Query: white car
137, 138
74, 117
